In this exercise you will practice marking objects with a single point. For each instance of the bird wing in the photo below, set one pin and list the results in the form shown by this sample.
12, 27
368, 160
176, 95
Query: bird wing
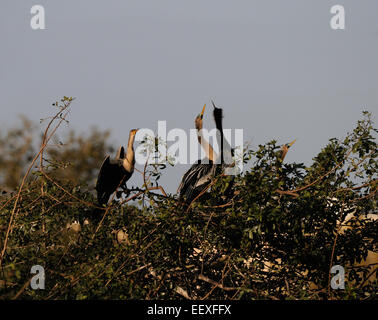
110, 177
102, 171
195, 180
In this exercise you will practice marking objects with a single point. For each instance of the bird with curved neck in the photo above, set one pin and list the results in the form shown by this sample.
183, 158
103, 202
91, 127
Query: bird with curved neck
115, 173
284, 149
210, 153
198, 177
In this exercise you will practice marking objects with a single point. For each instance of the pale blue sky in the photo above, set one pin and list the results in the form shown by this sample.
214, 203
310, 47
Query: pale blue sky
276, 67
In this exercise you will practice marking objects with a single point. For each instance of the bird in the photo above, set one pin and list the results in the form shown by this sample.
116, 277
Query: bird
199, 176
284, 149
115, 173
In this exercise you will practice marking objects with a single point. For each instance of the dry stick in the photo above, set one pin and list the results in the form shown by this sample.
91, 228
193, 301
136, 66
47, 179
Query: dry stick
204, 236
333, 251
143, 191
368, 276
358, 187
124, 263
144, 176
365, 197
22, 289
30, 205
43, 146
55, 199
22, 185
51, 207
159, 188
230, 203
214, 283
127, 200
287, 192
138, 269
161, 282
227, 265
7, 201
12, 226
183, 293
70, 194
73, 282
145, 184
207, 225
129, 273
44, 143
330, 265
132, 197
145, 181
117, 271
45, 139
114, 259
107, 210
13, 213
287, 287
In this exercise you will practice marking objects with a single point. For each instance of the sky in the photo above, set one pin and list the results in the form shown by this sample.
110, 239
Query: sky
277, 68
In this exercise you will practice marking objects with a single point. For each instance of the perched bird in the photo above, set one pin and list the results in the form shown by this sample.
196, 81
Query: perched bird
285, 149
115, 173
198, 177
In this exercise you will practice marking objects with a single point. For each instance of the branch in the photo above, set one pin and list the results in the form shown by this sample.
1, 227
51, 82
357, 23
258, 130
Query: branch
214, 283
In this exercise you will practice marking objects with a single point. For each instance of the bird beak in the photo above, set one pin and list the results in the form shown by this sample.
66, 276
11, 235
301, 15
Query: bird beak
291, 143
203, 111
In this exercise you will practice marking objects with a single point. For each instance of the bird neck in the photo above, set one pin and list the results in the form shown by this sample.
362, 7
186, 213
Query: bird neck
129, 161
220, 131
209, 151
284, 151
218, 115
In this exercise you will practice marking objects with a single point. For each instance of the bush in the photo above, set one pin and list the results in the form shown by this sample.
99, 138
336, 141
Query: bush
273, 232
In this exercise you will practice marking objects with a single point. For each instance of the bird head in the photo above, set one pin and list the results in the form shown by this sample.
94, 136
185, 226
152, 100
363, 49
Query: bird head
133, 131
218, 116
199, 118
290, 144
285, 149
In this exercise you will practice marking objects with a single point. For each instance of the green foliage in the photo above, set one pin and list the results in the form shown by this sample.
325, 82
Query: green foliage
272, 232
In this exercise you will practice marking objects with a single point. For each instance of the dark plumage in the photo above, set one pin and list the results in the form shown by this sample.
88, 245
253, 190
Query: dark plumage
218, 117
195, 180
198, 177
115, 173
111, 176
